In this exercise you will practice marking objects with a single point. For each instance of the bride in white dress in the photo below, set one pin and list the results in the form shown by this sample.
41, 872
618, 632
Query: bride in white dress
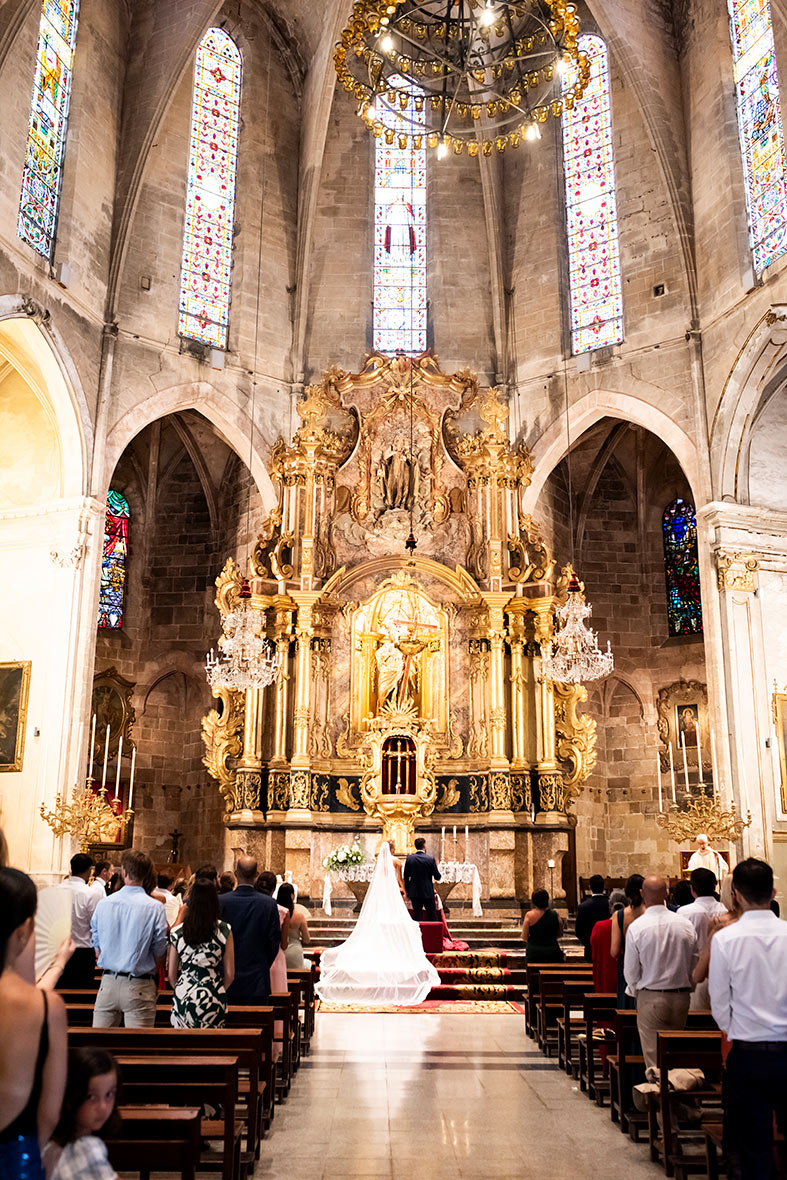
383, 961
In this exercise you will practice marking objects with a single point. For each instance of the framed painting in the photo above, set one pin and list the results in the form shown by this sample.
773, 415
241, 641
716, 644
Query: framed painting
780, 725
682, 711
14, 691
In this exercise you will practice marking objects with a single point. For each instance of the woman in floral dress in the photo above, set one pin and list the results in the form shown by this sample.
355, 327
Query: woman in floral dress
201, 962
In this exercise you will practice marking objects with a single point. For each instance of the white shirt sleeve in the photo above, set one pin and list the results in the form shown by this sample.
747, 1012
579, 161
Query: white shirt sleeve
632, 967
720, 986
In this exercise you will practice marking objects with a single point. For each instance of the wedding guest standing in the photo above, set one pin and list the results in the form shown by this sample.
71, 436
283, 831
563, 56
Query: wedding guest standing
32, 1040
130, 934
256, 930
80, 970
102, 875
541, 929
748, 995
299, 936
589, 911
201, 962
620, 926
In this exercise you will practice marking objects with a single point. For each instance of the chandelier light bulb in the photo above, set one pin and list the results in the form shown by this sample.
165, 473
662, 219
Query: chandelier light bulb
488, 16
370, 113
442, 149
561, 66
532, 131
386, 42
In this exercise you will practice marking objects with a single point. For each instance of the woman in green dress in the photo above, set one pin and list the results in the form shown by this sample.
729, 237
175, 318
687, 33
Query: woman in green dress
201, 962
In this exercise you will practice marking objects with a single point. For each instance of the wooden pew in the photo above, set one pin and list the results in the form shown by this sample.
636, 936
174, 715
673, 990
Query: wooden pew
247, 1044
622, 1062
568, 1025
155, 1139
597, 1010
186, 1080
306, 978
533, 987
686, 1049
283, 1009
550, 1004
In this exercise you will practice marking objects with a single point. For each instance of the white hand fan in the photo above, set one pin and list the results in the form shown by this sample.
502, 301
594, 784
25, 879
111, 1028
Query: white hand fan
53, 925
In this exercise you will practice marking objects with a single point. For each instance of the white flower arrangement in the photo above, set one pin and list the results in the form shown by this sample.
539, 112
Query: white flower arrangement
343, 857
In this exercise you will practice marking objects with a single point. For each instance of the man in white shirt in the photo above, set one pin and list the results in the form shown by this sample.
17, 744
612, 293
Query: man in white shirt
102, 874
80, 969
706, 857
748, 995
163, 892
700, 913
661, 953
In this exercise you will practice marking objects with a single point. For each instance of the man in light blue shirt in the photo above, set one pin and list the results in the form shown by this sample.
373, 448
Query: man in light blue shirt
129, 932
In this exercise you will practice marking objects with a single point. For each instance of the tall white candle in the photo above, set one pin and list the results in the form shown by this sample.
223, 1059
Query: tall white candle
106, 757
467, 837
714, 764
442, 843
658, 774
685, 763
92, 746
117, 776
131, 781
672, 774
699, 751
454, 848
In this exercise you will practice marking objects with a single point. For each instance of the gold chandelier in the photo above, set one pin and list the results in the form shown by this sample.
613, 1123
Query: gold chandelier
456, 74
703, 814
89, 817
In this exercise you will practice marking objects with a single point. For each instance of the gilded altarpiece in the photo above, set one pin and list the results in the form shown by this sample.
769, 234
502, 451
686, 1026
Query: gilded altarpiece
443, 641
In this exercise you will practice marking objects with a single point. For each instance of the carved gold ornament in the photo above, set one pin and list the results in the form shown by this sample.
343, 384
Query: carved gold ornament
88, 817
576, 736
735, 571
221, 735
703, 814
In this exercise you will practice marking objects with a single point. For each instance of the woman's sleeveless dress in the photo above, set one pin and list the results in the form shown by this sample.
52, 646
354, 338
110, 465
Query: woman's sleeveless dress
294, 953
542, 944
20, 1154
200, 1000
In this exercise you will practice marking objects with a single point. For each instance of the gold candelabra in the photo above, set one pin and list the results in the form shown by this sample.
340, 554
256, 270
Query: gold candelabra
88, 817
703, 814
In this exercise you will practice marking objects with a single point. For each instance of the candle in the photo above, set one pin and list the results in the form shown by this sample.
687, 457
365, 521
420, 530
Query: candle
442, 843
467, 837
658, 773
672, 774
92, 746
131, 781
685, 763
106, 756
699, 751
117, 776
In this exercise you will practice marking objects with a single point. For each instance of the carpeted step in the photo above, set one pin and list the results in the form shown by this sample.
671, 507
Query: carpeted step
480, 991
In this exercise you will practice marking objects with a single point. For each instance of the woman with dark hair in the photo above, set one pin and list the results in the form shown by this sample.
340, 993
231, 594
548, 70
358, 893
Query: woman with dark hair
89, 1112
298, 931
32, 1040
620, 924
201, 962
541, 930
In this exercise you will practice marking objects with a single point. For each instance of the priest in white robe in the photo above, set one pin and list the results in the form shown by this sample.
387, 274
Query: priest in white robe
707, 858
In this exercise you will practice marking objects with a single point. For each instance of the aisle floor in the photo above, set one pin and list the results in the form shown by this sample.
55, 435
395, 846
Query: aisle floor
440, 1097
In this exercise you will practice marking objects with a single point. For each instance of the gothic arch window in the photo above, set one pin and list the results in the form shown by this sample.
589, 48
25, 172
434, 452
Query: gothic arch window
112, 592
206, 267
400, 225
595, 292
46, 136
760, 128
681, 568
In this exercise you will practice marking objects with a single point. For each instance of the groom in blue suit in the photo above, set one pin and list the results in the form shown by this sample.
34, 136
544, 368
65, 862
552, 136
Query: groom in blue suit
420, 871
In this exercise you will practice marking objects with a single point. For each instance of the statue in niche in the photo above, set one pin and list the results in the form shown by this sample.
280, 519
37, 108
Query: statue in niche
399, 476
398, 670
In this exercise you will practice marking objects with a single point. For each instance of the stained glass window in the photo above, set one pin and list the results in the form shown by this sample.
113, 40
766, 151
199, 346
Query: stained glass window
111, 595
400, 229
760, 128
46, 136
595, 291
206, 267
681, 566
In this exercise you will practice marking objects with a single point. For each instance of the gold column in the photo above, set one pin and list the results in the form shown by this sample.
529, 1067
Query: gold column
283, 630
550, 776
516, 636
248, 778
497, 696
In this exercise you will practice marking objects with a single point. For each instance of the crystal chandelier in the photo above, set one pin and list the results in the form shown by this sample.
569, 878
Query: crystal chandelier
247, 659
573, 655
483, 73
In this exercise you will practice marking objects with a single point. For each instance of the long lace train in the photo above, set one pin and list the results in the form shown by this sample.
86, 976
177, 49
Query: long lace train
383, 960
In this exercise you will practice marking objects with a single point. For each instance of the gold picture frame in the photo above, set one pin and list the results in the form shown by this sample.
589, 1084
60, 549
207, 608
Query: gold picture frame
682, 708
780, 725
14, 693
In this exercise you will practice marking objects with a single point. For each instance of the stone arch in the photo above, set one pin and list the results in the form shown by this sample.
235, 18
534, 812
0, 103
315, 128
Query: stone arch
759, 369
219, 409
30, 347
550, 448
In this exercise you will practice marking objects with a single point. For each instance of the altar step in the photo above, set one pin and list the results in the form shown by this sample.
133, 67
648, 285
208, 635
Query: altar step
481, 934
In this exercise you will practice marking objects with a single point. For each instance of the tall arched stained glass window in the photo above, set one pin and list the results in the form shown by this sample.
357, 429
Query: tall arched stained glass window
112, 593
595, 292
681, 567
760, 128
206, 268
46, 136
400, 225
